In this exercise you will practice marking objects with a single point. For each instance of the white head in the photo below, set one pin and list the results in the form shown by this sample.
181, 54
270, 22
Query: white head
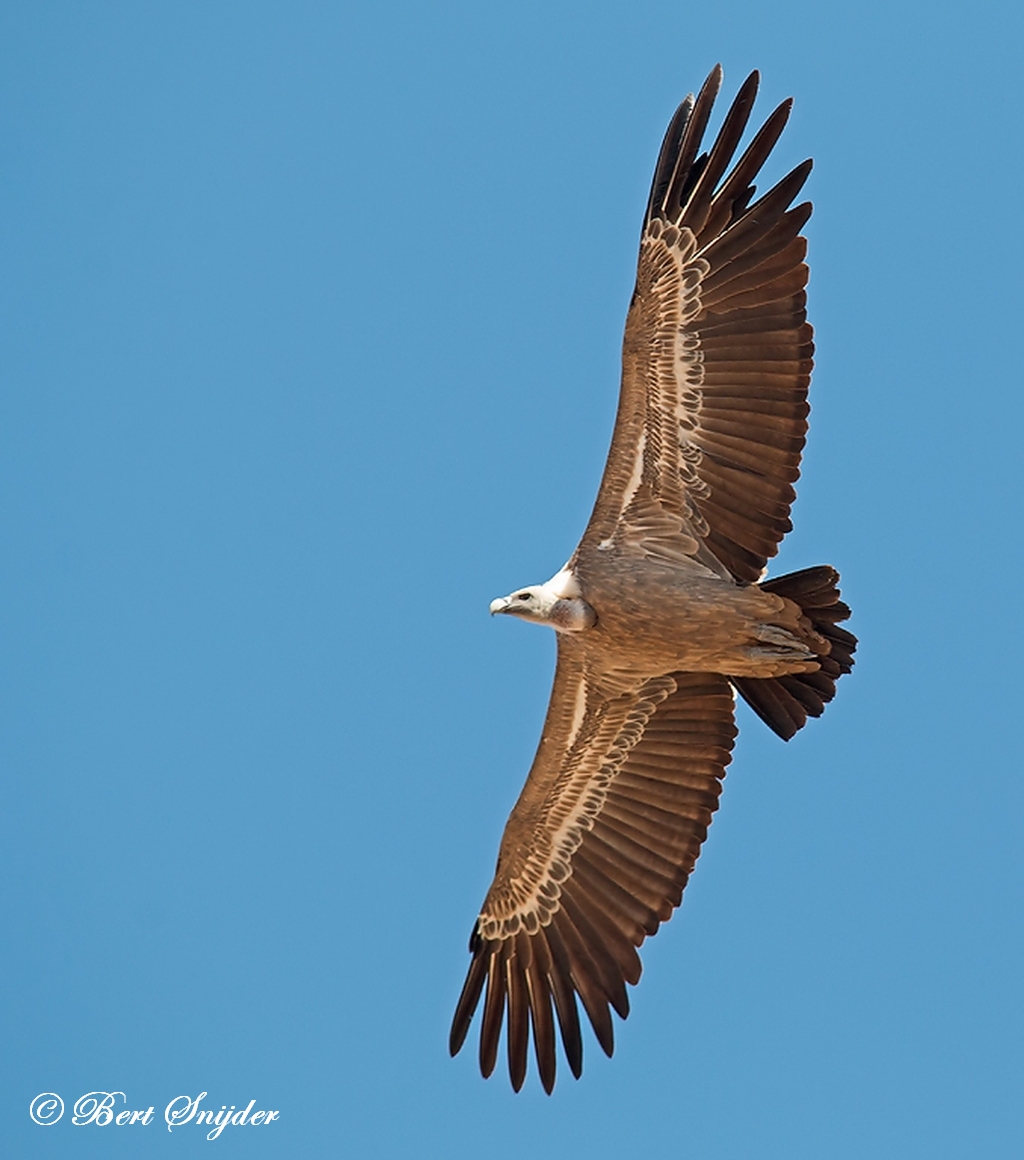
547, 604
532, 603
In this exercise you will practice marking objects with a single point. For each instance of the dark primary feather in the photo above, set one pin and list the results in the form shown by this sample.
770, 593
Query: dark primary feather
667, 156
698, 193
683, 168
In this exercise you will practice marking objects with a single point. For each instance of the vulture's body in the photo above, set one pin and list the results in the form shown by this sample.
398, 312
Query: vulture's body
662, 611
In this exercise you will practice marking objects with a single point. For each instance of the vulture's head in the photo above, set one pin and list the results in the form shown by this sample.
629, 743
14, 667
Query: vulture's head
543, 606
527, 603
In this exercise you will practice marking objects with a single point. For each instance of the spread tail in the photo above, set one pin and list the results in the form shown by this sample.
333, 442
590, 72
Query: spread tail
785, 703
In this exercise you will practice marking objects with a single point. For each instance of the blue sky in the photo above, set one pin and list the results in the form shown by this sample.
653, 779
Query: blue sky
310, 327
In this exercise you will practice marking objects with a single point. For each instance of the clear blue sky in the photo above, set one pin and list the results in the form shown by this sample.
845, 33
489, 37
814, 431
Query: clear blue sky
310, 327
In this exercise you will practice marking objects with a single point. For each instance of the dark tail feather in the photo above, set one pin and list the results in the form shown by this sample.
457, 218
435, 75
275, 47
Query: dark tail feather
785, 703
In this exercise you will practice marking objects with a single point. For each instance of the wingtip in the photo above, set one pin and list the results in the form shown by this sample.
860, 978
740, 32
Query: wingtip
750, 86
712, 83
457, 1034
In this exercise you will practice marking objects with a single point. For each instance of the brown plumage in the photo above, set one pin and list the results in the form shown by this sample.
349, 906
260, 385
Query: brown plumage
661, 612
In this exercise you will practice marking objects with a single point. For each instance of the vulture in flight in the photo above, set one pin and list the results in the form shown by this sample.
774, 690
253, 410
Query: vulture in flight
663, 612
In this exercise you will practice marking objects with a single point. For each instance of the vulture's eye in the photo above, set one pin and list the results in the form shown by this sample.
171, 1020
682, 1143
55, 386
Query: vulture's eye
523, 596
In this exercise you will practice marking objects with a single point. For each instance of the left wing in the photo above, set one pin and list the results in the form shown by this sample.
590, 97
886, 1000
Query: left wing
717, 354
594, 857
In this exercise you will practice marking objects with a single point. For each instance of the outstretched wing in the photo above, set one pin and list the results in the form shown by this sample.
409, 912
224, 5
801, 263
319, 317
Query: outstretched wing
717, 354
595, 856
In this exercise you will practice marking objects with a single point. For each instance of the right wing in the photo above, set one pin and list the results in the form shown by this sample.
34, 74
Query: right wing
717, 354
594, 857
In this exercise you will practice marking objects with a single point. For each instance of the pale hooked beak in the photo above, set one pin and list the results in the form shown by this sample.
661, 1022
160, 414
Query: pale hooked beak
500, 605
